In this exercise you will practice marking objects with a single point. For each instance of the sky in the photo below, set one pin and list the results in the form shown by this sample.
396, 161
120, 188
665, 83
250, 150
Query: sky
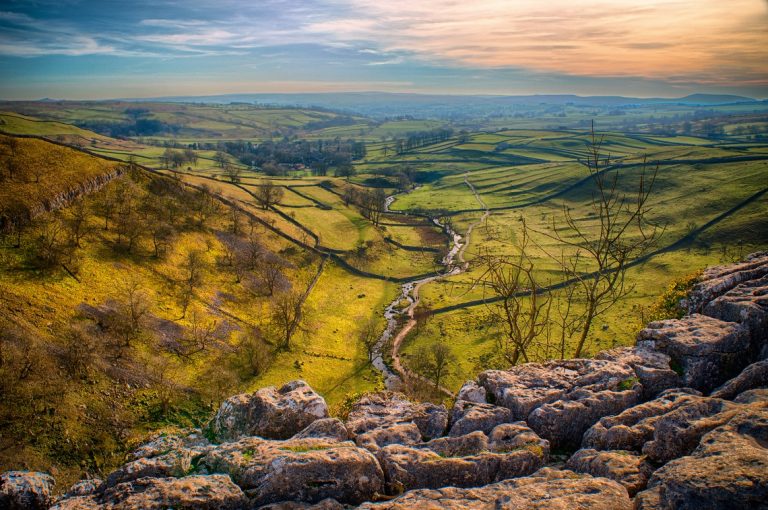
99, 49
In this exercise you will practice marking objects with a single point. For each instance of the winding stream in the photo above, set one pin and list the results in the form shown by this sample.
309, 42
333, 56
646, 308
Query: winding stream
453, 263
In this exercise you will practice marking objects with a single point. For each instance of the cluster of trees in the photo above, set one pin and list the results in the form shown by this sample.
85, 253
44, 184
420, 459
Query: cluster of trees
274, 158
177, 158
137, 123
420, 139
372, 203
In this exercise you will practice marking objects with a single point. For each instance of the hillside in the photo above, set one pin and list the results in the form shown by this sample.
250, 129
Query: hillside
136, 307
677, 419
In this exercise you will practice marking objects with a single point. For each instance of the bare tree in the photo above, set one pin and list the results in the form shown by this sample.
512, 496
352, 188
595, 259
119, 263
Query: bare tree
368, 335
623, 233
287, 316
192, 268
516, 304
434, 361
233, 172
77, 222
220, 158
268, 194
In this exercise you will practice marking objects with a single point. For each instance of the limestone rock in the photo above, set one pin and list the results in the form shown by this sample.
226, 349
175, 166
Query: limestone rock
83, 488
757, 396
564, 422
471, 416
385, 418
211, 492
164, 443
632, 428
269, 412
472, 392
175, 463
753, 377
729, 469
678, 432
651, 367
717, 280
708, 351
627, 468
508, 437
747, 304
562, 399
22, 490
548, 488
326, 504
327, 428
307, 470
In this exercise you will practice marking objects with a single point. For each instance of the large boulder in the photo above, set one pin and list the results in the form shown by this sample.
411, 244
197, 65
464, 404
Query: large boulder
629, 469
269, 412
327, 428
717, 280
707, 351
747, 304
562, 399
22, 490
729, 470
651, 367
633, 427
662, 429
384, 418
753, 377
468, 417
197, 492
548, 488
679, 431
464, 461
472, 392
307, 470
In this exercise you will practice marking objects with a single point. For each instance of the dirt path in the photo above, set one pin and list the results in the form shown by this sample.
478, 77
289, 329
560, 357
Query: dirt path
411, 293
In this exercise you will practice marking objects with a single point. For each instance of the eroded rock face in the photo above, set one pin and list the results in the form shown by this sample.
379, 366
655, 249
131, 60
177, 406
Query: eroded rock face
678, 432
22, 490
508, 437
562, 399
716, 281
753, 377
307, 470
747, 304
729, 469
627, 468
211, 492
327, 428
468, 417
548, 488
651, 367
472, 392
269, 413
633, 427
708, 351
387, 418
464, 461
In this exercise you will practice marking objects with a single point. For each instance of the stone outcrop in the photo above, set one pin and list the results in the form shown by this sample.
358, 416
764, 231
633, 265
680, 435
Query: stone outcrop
752, 377
21, 490
562, 399
652, 368
468, 417
386, 418
308, 470
269, 412
729, 469
708, 351
464, 461
548, 488
197, 492
641, 416
627, 468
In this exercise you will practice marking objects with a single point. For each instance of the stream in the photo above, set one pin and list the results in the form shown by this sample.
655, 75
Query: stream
409, 291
